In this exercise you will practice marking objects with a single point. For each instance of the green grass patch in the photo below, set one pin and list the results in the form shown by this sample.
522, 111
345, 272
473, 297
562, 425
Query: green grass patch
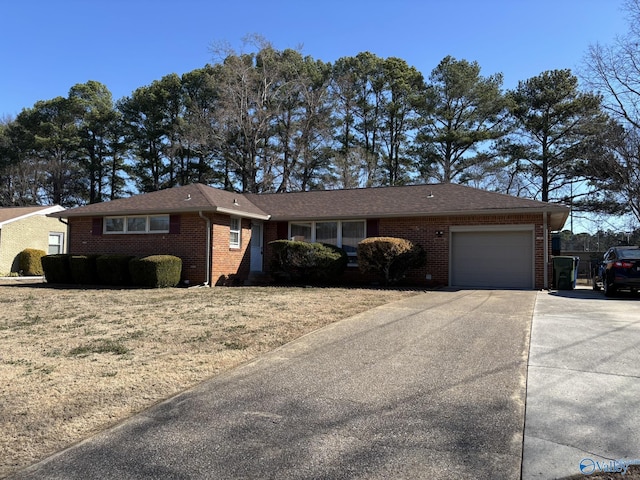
203, 337
29, 320
99, 346
233, 328
233, 345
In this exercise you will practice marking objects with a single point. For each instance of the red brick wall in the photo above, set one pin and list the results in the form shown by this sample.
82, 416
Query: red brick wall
189, 244
422, 230
230, 265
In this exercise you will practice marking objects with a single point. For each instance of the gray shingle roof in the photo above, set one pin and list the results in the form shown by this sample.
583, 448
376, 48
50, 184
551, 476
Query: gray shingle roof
8, 214
190, 198
405, 201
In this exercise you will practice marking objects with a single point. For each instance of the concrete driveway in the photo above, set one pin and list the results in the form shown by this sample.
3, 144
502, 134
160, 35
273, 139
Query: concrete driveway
429, 387
583, 393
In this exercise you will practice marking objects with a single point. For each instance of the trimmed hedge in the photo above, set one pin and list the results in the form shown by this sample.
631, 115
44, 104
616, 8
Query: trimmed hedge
389, 258
156, 271
56, 268
308, 262
30, 261
113, 269
84, 269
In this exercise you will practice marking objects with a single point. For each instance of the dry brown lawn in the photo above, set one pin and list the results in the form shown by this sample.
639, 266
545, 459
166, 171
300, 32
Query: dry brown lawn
73, 361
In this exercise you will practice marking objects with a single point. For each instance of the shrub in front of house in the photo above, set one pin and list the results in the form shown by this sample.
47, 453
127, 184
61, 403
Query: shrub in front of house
84, 269
113, 269
389, 258
30, 261
56, 268
156, 271
308, 262
331, 262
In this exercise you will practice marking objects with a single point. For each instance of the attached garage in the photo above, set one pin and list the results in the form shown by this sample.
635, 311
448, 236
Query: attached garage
492, 258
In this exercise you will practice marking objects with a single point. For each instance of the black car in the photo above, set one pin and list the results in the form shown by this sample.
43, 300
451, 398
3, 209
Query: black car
620, 269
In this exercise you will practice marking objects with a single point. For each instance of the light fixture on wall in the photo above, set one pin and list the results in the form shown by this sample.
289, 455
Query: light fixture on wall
439, 233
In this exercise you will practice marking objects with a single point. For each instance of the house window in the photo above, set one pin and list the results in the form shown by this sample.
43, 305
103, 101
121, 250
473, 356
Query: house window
344, 234
56, 243
234, 233
114, 225
327, 232
137, 224
352, 234
159, 223
300, 232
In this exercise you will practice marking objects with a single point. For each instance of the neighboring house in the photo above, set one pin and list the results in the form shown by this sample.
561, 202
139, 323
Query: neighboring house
29, 227
473, 238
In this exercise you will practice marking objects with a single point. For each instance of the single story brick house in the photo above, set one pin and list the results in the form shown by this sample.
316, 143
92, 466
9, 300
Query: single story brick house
473, 238
29, 227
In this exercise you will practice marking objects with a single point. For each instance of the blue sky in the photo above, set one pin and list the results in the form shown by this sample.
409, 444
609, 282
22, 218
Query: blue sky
48, 46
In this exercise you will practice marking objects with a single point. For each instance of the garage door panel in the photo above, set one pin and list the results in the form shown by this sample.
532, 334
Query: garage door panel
498, 259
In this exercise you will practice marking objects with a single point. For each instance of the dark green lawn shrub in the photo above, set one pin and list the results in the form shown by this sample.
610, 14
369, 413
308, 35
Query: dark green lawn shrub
84, 269
56, 268
389, 258
114, 269
331, 262
308, 262
156, 271
30, 261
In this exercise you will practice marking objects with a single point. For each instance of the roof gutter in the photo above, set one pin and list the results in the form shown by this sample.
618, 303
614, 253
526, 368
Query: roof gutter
442, 213
235, 213
207, 282
226, 211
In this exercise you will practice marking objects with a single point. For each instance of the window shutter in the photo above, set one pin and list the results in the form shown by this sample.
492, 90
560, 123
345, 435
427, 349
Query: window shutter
96, 226
283, 230
174, 224
373, 227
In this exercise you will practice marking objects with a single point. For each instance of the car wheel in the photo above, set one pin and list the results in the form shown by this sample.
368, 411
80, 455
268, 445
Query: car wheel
609, 288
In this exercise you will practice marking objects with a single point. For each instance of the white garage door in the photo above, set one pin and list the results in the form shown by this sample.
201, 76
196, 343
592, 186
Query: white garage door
498, 259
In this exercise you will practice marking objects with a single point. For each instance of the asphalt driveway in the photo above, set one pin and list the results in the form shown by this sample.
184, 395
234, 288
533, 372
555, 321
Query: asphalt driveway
583, 393
429, 387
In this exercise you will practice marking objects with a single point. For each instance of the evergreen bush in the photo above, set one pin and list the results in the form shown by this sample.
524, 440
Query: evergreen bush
56, 268
113, 269
84, 269
30, 261
307, 262
156, 271
389, 258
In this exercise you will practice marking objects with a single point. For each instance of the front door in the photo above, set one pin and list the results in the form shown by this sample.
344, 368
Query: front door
256, 247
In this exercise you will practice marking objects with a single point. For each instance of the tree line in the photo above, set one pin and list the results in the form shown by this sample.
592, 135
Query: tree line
278, 121
598, 242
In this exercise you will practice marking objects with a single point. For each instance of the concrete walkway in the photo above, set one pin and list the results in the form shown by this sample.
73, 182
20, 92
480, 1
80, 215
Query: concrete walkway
583, 393
429, 387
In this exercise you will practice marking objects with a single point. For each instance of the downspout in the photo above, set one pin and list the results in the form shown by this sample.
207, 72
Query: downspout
207, 282
67, 237
545, 232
